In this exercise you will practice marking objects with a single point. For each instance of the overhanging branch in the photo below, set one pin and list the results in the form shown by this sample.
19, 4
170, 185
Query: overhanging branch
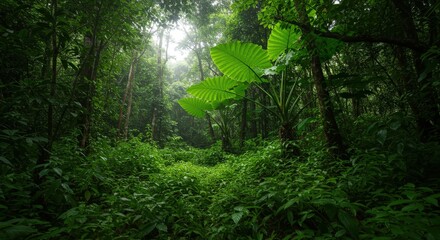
408, 43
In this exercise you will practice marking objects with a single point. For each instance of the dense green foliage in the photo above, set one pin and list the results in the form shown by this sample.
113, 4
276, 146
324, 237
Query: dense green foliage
132, 190
315, 119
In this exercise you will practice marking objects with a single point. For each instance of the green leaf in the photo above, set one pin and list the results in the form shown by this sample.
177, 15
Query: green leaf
87, 195
194, 106
239, 208
214, 89
147, 229
290, 217
19, 231
241, 61
349, 222
67, 188
5, 161
302, 125
58, 171
289, 203
236, 217
280, 40
382, 136
412, 207
162, 227
395, 125
399, 202
43, 172
340, 233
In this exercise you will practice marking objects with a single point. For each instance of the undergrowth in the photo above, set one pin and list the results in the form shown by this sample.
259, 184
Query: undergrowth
133, 190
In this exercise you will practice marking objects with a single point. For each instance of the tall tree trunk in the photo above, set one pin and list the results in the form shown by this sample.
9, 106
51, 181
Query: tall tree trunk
202, 77
130, 94
53, 82
331, 129
127, 100
87, 78
426, 110
156, 118
87, 88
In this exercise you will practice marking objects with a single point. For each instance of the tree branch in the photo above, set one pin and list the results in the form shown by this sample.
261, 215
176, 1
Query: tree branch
403, 42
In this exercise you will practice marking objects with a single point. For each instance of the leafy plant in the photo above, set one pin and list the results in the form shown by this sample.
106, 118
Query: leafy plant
245, 63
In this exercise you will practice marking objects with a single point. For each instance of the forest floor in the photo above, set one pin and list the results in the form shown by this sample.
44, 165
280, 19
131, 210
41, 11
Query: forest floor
133, 190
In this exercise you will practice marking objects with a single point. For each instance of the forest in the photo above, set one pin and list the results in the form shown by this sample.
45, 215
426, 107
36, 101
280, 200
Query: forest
223, 119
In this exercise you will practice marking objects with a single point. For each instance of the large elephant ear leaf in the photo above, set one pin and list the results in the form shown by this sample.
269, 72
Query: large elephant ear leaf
195, 107
280, 40
214, 89
243, 62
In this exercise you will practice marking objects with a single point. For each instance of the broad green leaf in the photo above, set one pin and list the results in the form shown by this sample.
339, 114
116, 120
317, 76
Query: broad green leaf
240, 91
214, 89
243, 62
194, 106
236, 217
280, 40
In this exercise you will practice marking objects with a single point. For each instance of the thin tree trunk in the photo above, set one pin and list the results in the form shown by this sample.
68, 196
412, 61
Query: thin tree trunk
202, 77
158, 92
130, 86
264, 120
123, 103
331, 129
87, 79
45, 151
253, 125
243, 126
53, 82
89, 75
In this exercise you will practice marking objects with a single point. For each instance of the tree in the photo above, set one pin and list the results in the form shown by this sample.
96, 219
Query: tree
331, 129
